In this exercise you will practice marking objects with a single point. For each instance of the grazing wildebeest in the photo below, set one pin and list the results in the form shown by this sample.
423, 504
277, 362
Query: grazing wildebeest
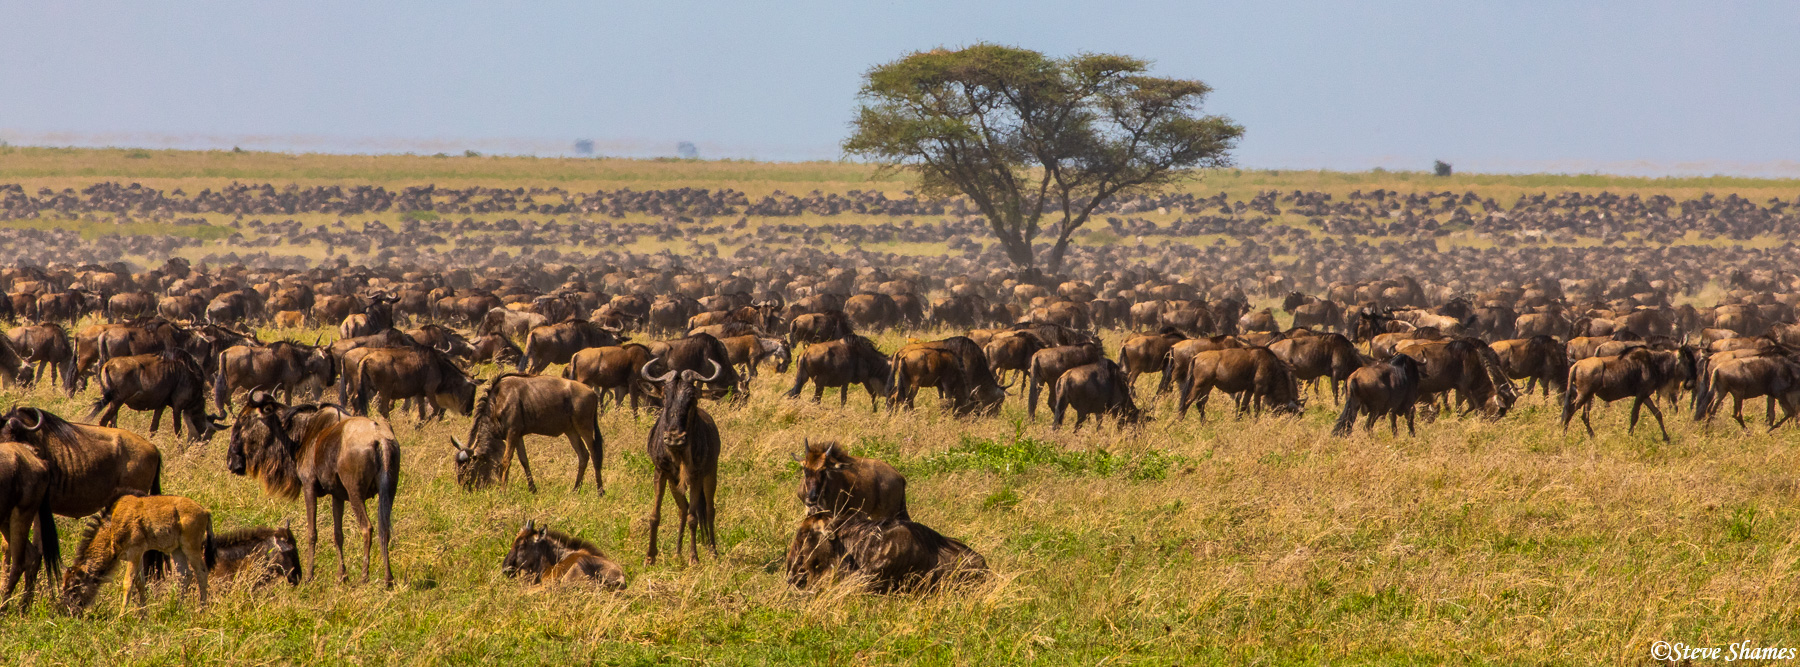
314, 450
611, 369
1145, 353
515, 406
47, 348
1542, 361
1181, 358
1331, 356
399, 373
750, 350
1255, 375
495, 348
166, 380
833, 481
684, 448
556, 343
24, 486
1388, 388
1309, 311
1638, 374
130, 528
1774, 376
1099, 388
956, 366
1465, 368
542, 554
1049, 364
892, 555
280, 365
841, 363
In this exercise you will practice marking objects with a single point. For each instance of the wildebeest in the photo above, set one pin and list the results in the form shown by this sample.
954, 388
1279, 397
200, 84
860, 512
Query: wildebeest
612, 369
841, 363
542, 554
818, 328
1638, 374
1049, 364
833, 481
1144, 353
133, 526
556, 343
1098, 388
1541, 360
1012, 351
167, 380
698, 353
439, 337
399, 373
515, 406
46, 347
282, 365
1776, 376
377, 315
1330, 356
684, 448
1465, 368
314, 450
1181, 358
891, 555
507, 322
1255, 375
750, 350
24, 485
1388, 388
256, 556
496, 349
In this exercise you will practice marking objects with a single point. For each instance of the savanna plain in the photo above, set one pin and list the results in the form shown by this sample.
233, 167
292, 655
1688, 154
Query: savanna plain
1223, 540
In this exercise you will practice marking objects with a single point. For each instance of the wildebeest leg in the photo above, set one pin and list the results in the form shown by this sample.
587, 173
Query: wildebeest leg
655, 516
133, 577
516, 442
337, 535
362, 516
1657, 413
18, 533
1637, 405
312, 533
581, 461
678, 493
1393, 424
844, 395
1737, 410
1587, 408
1410, 411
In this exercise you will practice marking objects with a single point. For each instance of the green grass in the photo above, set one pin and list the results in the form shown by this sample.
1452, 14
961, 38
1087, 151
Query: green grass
1230, 541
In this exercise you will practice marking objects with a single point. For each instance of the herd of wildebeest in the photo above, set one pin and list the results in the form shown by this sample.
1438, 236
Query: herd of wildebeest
1393, 329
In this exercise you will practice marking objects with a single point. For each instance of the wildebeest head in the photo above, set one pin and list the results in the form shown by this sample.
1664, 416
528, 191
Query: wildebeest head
677, 390
251, 430
531, 553
814, 552
822, 468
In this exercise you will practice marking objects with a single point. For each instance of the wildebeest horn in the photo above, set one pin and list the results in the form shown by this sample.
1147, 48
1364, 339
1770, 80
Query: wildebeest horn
645, 371
717, 369
318, 340
530, 525
805, 444
35, 412
457, 444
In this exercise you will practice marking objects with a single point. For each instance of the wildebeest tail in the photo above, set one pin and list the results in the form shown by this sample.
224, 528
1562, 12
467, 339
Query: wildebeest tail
525, 359
212, 551
363, 393
1346, 422
386, 487
49, 542
220, 390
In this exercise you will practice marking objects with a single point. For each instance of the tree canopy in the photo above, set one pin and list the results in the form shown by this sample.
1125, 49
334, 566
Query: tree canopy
1035, 142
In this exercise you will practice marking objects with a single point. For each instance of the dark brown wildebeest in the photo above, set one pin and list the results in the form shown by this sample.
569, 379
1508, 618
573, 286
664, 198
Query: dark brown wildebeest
1261, 320
751, 350
872, 311
697, 352
1388, 388
166, 380
819, 327
1464, 368
1331, 356
832, 481
24, 485
543, 554
1255, 375
1637, 375
727, 330
1012, 351
257, 556
1775, 376
402, 373
496, 349
1189, 317
1181, 358
611, 369
1542, 361
893, 555
439, 337
557, 343
1532, 325
314, 450
280, 365
958, 369
1099, 388
841, 363
1049, 364
1309, 311
130, 305
330, 308
515, 406
46, 347
234, 307
1145, 353
88, 467
684, 448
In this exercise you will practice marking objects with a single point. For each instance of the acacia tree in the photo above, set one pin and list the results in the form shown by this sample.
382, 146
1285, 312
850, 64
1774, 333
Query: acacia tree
1032, 140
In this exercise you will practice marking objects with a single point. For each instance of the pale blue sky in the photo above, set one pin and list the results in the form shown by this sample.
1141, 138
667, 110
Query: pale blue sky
1703, 87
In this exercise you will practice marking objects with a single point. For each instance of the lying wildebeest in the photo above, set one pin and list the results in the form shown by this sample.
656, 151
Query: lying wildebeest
543, 554
279, 365
1541, 360
1388, 388
611, 369
684, 448
1049, 364
1639, 375
256, 556
1255, 375
400, 373
556, 343
1331, 356
125, 532
1776, 377
314, 450
24, 487
46, 347
841, 363
166, 380
1144, 353
751, 350
1099, 388
892, 555
833, 481
515, 406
